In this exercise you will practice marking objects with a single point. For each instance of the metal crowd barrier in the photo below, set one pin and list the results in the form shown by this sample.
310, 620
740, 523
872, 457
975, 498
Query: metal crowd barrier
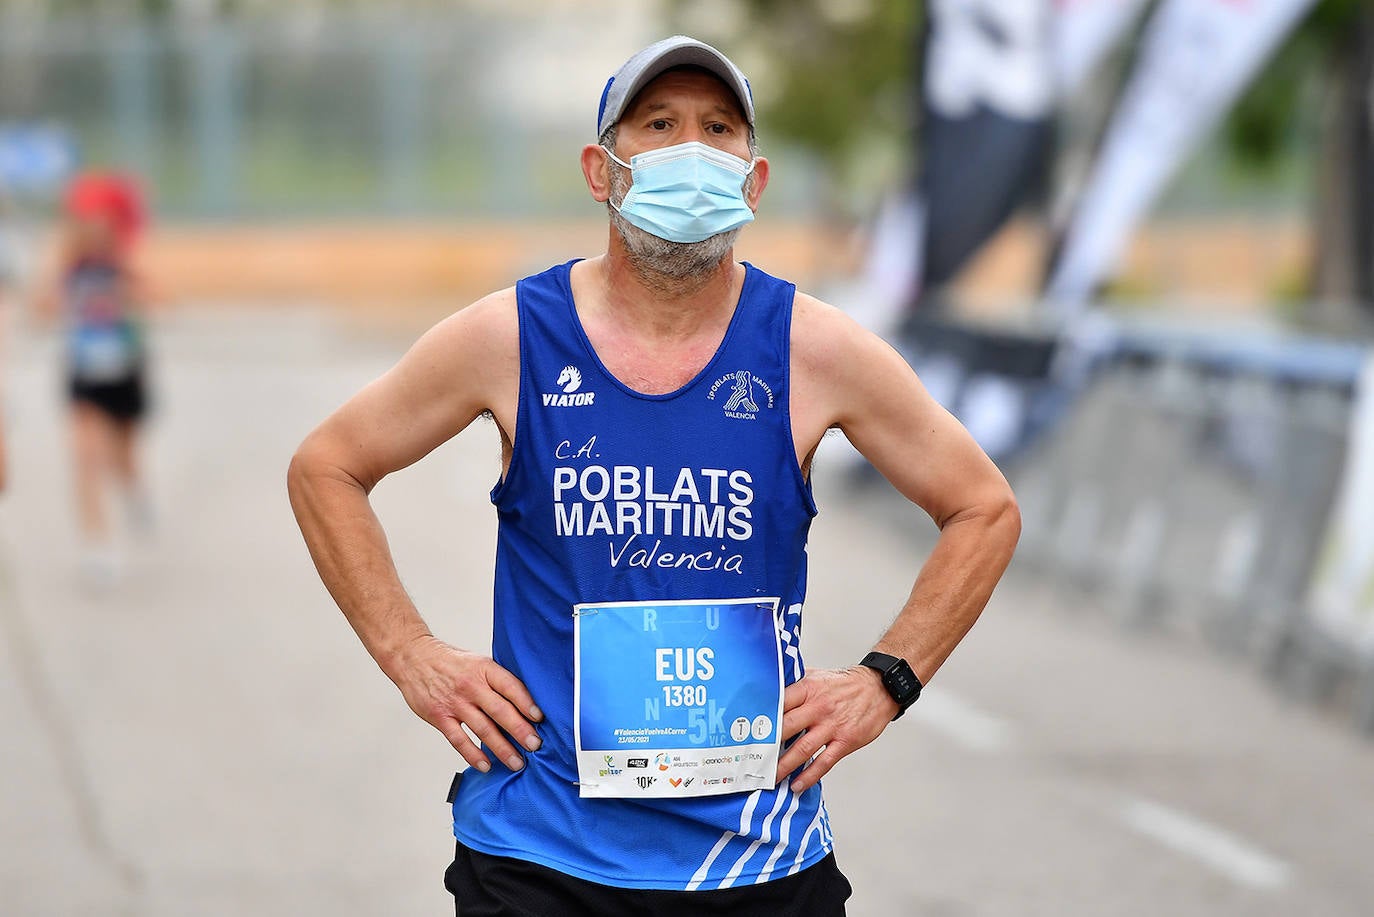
1190, 484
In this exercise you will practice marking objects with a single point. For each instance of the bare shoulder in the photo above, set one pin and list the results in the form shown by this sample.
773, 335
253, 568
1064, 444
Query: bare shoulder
840, 372
831, 348
471, 359
490, 325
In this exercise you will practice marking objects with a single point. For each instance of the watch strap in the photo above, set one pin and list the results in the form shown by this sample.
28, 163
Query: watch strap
899, 680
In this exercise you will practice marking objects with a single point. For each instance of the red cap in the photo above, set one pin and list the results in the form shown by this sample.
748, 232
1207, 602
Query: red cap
110, 196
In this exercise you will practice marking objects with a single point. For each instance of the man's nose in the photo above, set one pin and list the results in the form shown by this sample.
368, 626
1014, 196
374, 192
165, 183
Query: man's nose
691, 132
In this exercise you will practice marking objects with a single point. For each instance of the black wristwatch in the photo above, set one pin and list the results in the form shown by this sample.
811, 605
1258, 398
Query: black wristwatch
898, 679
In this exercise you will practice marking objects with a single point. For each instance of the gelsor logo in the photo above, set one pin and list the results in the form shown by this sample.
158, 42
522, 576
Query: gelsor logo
741, 394
637, 762
645, 782
610, 770
569, 382
663, 761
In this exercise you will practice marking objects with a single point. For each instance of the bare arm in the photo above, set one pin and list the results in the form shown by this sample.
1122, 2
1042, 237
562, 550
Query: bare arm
844, 376
463, 367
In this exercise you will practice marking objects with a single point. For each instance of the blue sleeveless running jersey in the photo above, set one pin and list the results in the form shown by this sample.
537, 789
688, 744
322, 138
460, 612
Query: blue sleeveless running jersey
616, 498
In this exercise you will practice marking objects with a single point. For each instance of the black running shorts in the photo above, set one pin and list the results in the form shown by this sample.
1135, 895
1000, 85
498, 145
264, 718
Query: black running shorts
491, 886
123, 399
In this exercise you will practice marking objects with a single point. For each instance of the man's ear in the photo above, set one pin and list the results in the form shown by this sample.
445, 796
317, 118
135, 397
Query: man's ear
758, 180
596, 169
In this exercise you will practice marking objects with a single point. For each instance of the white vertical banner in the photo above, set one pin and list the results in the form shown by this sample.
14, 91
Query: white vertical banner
989, 54
1341, 597
1084, 33
1196, 58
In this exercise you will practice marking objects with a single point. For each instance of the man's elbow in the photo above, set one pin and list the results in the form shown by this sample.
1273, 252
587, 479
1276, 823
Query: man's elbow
997, 517
1006, 515
319, 458
304, 463
312, 460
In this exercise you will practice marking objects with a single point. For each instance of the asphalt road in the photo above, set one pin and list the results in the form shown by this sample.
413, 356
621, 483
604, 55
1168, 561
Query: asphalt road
207, 737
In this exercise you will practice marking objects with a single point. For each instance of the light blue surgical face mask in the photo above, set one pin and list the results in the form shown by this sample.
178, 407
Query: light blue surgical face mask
687, 192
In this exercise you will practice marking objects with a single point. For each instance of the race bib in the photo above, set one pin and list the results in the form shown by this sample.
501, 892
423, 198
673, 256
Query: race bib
678, 698
102, 354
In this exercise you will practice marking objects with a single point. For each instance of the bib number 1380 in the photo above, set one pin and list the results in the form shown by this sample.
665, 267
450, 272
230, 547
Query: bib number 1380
684, 696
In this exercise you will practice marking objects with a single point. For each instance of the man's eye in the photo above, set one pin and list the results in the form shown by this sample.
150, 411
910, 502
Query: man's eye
659, 124
718, 128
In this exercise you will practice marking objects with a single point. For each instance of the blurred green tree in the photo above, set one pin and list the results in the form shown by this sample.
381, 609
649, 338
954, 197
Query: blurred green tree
837, 74
1314, 57
1319, 85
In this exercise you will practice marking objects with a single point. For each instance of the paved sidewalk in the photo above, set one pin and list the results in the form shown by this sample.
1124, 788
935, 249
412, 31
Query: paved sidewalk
208, 737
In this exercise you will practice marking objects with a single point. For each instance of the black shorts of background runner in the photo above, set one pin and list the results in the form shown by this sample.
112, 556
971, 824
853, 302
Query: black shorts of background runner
123, 399
491, 886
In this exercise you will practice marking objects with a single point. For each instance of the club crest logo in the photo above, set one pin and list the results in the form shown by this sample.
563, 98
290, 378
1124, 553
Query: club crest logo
741, 395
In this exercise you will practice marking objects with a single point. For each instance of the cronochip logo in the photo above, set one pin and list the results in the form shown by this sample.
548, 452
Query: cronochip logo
569, 380
745, 394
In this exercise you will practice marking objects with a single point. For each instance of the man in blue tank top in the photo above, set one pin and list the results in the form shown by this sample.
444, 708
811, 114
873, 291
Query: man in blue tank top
651, 742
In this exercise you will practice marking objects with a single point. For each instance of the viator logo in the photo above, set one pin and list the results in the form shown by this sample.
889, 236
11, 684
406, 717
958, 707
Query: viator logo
569, 380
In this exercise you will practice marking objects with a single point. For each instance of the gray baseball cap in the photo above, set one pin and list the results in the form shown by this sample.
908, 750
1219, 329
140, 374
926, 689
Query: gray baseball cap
678, 51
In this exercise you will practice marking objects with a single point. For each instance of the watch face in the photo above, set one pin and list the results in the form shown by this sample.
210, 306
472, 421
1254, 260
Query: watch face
899, 680
902, 683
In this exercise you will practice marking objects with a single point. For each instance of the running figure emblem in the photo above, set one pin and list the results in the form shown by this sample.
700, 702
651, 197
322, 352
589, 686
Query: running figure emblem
740, 398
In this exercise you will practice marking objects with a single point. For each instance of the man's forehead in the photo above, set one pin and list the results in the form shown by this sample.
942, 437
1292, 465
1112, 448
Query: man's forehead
696, 80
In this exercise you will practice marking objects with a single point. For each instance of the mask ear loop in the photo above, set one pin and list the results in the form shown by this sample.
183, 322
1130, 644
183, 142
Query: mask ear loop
614, 158
617, 160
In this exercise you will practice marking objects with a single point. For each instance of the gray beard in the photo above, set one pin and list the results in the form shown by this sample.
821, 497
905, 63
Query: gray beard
649, 255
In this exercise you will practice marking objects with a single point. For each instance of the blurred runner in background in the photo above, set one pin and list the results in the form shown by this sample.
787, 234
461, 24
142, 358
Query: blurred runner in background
96, 293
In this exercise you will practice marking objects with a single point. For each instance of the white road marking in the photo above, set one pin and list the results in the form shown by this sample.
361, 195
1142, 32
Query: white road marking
962, 721
1215, 847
